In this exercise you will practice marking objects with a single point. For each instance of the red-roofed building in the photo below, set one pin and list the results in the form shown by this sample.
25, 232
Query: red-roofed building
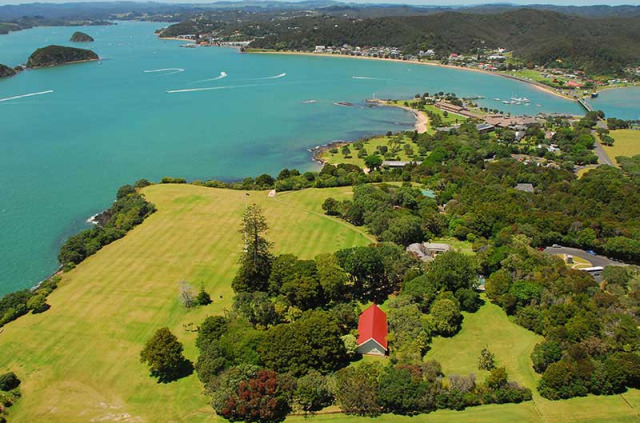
372, 331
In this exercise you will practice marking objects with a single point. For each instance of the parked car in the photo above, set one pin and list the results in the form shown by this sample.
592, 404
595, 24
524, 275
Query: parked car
593, 253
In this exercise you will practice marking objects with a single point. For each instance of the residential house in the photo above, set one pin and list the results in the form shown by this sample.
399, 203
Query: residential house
525, 188
372, 331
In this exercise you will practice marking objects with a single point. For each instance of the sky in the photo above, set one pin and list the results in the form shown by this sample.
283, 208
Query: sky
413, 2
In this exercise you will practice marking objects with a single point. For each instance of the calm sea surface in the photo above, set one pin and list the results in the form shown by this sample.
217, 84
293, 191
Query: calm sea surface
96, 126
623, 103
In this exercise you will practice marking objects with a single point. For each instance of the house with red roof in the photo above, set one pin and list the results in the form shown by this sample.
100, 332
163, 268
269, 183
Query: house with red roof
372, 331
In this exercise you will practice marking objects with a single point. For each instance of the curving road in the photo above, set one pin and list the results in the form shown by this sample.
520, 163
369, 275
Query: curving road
596, 260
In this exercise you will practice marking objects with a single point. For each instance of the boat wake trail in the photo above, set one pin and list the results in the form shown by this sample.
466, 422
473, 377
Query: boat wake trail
370, 78
170, 70
222, 75
225, 87
282, 75
25, 95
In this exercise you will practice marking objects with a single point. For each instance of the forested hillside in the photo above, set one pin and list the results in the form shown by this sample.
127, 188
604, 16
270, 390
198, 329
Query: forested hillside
596, 45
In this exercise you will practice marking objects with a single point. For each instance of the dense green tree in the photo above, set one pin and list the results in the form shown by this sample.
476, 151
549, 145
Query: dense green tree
404, 230
210, 330
310, 343
366, 267
302, 287
257, 307
469, 299
346, 315
421, 289
446, 317
331, 207
312, 393
373, 162
224, 343
356, 389
451, 271
333, 279
401, 391
129, 210
282, 268
265, 180
163, 354
409, 330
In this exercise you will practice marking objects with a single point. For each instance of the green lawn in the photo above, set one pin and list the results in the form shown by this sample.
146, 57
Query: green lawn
79, 360
584, 170
490, 327
627, 143
371, 145
464, 247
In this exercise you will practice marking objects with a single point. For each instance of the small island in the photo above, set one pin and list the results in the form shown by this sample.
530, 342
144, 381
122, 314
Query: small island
59, 55
6, 71
81, 37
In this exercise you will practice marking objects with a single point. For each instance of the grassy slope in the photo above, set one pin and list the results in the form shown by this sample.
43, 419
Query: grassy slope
79, 360
627, 143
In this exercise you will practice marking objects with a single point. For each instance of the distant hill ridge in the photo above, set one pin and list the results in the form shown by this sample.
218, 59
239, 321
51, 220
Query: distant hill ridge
106, 10
598, 45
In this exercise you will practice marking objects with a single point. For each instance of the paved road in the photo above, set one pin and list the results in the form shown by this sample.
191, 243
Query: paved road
595, 260
603, 157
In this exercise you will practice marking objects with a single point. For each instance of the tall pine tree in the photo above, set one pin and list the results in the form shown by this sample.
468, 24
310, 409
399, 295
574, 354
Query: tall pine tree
255, 262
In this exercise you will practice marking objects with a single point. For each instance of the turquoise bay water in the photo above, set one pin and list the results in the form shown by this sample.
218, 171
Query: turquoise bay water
63, 154
622, 103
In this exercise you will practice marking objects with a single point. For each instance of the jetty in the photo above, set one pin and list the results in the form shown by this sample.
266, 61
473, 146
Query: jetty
585, 105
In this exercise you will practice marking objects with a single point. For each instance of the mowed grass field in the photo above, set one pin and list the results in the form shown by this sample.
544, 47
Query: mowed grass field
371, 145
627, 143
79, 361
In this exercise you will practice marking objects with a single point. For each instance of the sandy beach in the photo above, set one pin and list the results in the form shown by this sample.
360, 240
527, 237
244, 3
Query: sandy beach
422, 121
535, 84
176, 39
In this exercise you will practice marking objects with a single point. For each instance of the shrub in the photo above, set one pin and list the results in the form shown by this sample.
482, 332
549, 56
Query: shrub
486, 361
38, 304
9, 381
